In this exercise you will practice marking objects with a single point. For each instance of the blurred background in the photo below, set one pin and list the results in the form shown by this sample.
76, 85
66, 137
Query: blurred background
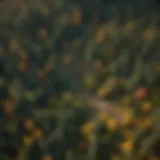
79, 79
